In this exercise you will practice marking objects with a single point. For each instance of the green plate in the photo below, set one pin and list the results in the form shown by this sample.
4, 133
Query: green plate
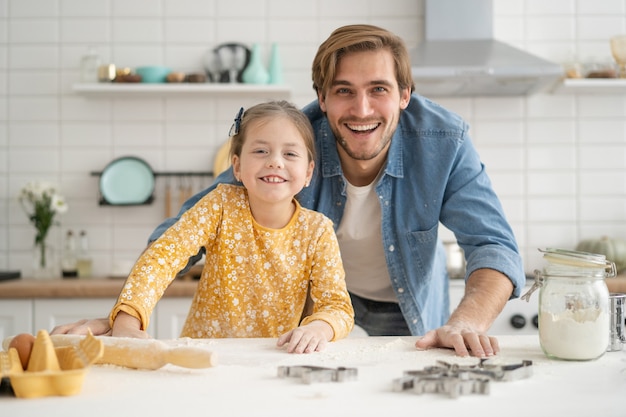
127, 181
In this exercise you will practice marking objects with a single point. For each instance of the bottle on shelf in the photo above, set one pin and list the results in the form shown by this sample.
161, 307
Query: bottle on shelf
83, 258
69, 267
89, 66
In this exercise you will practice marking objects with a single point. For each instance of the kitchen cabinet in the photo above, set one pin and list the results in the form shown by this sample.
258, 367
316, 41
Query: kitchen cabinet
181, 89
29, 316
169, 317
28, 305
16, 316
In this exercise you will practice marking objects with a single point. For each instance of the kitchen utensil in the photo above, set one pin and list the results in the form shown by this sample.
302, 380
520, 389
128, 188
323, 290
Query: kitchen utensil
168, 199
213, 66
153, 74
310, 374
617, 306
233, 58
182, 191
127, 181
618, 49
144, 353
455, 380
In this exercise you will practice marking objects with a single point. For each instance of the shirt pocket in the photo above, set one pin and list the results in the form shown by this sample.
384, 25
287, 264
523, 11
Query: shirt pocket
423, 246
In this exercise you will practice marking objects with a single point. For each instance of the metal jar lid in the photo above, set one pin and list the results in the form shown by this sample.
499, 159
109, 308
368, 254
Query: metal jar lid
579, 259
568, 263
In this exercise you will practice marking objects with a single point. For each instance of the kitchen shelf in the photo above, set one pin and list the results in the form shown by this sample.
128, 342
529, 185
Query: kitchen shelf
591, 86
180, 89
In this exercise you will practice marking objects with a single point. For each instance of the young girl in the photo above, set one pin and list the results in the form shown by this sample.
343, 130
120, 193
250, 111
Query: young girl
264, 252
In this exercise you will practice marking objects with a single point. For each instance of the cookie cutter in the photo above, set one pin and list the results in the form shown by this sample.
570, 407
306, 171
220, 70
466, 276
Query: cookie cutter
310, 374
455, 380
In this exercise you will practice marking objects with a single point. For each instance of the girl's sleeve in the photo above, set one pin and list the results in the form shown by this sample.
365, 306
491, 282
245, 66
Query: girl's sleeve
331, 301
159, 264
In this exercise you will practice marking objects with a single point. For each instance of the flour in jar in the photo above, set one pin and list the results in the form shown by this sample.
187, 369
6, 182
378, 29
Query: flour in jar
580, 334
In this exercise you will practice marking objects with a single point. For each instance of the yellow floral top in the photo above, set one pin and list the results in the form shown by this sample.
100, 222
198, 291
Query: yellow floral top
255, 280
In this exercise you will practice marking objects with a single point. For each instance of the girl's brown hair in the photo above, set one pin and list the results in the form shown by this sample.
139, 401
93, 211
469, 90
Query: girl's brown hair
263, 112
359, 38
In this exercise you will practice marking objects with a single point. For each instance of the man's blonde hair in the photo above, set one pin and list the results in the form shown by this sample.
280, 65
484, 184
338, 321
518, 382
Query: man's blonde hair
359, 38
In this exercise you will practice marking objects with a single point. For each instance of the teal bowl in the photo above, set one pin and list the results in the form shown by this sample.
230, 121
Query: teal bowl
153, 74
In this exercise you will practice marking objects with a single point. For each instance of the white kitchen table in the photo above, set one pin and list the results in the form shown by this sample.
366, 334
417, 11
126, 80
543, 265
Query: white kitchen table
245, 383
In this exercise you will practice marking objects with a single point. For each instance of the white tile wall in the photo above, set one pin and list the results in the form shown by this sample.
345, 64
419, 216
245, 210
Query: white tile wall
557, 161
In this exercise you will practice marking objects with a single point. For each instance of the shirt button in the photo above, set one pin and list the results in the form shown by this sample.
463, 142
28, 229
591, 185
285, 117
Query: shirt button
401, 290
391, 248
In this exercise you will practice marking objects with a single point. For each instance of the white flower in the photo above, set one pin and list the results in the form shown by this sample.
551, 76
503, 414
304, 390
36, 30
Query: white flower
58, 204
41, 202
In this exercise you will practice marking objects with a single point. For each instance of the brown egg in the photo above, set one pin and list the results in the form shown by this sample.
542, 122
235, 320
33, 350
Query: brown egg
23, 343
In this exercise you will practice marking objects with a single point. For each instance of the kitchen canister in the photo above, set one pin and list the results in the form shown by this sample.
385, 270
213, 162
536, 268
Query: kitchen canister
573, 304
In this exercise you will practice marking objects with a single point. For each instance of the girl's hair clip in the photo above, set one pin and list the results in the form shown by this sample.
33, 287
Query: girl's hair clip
234, 129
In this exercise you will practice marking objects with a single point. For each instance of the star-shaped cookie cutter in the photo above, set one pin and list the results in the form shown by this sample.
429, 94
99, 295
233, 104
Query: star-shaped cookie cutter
455, 380
310, 374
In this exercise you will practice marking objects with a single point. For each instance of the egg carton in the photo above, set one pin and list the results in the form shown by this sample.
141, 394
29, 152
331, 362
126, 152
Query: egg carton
51, 371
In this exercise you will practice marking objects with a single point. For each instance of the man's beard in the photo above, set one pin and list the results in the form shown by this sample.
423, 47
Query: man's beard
362, 156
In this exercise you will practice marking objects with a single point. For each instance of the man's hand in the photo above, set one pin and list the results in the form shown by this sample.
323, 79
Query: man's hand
462, 339
98, 327
486, 293
307, 339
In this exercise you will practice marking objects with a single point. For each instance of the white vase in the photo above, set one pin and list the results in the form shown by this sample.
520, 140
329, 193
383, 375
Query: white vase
44, 262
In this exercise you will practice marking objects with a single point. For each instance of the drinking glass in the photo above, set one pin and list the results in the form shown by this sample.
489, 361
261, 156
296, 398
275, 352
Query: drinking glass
618, 49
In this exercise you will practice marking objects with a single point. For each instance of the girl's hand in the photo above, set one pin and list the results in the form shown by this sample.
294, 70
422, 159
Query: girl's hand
126, 325
312, 337
98, 327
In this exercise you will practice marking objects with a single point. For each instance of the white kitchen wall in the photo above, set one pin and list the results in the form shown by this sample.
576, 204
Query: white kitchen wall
558, 161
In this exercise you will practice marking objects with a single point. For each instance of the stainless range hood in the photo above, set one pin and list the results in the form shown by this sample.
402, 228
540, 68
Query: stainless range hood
459, 56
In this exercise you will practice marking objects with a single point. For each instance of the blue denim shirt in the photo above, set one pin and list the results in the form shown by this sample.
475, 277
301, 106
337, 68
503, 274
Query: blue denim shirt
433, 174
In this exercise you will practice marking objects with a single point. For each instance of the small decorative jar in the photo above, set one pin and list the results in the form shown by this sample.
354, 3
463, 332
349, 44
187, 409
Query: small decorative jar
573, 304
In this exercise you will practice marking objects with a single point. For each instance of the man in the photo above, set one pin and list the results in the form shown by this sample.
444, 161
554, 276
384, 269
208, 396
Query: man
391, 165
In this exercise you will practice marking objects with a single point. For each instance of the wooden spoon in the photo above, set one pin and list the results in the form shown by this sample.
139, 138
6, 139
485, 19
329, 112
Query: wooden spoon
168, 199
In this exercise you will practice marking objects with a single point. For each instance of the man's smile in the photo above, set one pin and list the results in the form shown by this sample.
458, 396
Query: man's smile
362, 127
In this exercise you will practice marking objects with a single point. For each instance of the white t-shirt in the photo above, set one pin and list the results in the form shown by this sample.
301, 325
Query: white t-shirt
360, 239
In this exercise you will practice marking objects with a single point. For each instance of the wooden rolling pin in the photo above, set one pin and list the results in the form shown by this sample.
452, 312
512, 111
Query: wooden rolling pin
140, 353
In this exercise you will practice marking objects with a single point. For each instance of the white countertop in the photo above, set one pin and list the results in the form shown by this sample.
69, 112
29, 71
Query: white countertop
245, 382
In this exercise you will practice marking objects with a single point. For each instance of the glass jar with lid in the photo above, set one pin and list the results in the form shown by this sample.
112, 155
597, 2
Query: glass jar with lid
573, 304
